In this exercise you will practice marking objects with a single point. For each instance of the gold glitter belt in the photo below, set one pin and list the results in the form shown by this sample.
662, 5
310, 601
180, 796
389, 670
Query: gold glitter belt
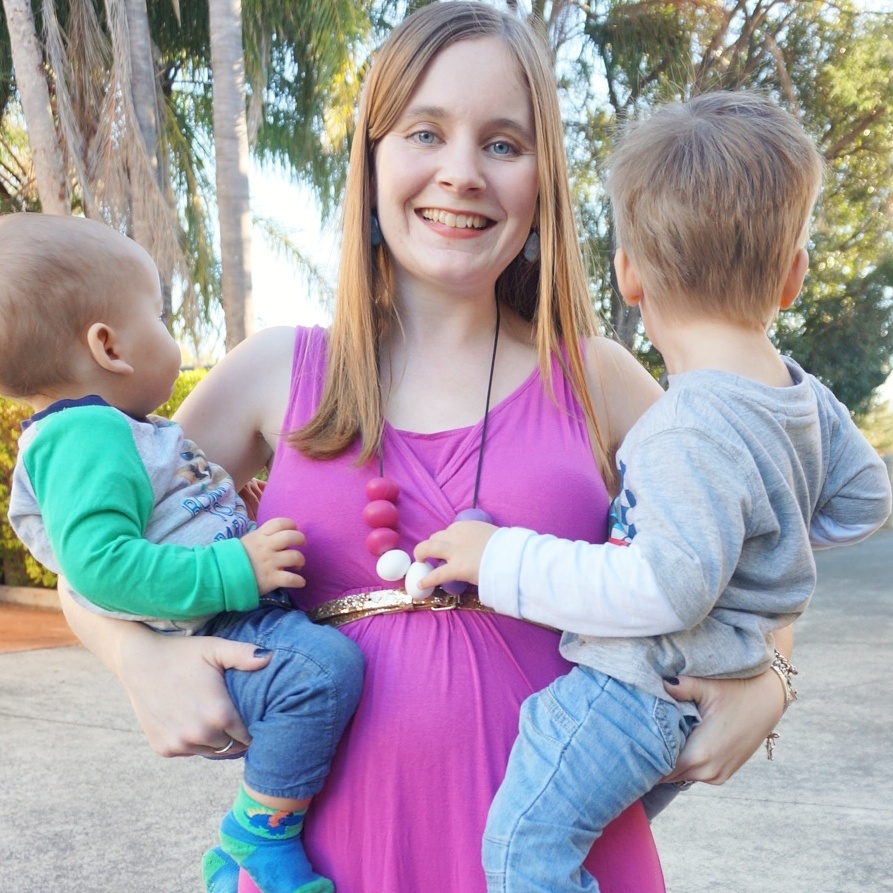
348, 608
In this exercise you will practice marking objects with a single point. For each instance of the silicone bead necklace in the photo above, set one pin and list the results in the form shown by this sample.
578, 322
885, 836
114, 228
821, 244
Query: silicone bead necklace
382, 515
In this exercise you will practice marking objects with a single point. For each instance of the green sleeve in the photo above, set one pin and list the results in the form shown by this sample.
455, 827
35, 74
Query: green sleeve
96, 499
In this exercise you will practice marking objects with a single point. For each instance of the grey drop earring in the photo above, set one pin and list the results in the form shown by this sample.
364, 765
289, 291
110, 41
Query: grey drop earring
531, 249
375, 233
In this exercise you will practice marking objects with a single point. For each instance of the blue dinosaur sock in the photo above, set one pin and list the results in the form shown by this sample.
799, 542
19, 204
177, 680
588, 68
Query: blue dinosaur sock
267, 844
220, 872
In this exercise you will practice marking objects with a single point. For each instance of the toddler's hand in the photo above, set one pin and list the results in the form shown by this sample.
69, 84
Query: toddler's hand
460, 548
273, 552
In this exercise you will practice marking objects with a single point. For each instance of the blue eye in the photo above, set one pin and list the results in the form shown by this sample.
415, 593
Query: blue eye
425, 137
503, 148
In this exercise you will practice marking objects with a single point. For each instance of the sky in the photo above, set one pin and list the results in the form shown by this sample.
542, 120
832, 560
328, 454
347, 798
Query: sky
280, 292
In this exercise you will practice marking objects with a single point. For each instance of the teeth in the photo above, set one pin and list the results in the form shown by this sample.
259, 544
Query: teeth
460, 221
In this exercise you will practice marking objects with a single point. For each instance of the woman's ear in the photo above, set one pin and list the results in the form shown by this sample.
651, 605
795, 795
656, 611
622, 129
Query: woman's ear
794, 282
104, 349
627, 278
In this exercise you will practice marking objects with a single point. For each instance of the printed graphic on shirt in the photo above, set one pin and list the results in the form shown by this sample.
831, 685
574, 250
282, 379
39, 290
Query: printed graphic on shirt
621, 530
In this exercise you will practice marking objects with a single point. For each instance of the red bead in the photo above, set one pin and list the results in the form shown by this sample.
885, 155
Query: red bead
382, 488
382, 540
381, 513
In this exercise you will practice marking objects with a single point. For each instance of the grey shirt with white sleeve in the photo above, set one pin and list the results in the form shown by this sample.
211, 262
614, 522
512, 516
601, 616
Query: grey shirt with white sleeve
726, 487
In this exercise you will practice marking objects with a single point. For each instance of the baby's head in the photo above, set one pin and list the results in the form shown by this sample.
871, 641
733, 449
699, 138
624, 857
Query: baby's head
79, 309
711, 201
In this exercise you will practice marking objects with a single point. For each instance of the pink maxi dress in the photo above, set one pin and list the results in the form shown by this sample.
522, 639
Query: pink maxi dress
404, 807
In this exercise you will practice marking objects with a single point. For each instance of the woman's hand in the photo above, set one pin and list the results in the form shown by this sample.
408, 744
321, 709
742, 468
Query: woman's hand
251, 495
175, 683
176, 687
736, 717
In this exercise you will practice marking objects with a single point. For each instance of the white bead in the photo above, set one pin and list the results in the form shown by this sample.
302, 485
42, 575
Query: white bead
393, 565
417, 570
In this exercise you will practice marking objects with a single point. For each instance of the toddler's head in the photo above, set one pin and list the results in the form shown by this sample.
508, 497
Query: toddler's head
711, 200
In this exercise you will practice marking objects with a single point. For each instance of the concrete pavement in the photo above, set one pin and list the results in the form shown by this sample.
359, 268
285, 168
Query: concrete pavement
85, 807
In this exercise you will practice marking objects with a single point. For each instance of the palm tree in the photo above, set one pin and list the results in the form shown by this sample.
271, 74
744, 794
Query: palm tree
49, 164
231, 156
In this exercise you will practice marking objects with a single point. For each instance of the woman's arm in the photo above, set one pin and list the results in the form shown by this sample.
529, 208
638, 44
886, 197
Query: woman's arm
175, 684
236, 411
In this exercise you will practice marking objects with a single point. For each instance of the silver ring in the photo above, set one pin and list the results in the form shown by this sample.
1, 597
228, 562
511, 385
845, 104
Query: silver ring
227, 747
684, 785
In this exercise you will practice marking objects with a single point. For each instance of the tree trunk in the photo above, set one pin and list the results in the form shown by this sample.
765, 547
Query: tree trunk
142, 91
30, 74
148, 204
231, 154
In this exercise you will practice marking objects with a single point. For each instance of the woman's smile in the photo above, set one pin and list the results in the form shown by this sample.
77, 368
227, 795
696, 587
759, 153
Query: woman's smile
455, 220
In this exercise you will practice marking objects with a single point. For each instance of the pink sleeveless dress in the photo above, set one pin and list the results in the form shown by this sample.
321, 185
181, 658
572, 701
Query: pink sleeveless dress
404, 807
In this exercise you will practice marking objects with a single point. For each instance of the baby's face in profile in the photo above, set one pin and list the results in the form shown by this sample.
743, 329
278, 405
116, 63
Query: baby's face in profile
146, 344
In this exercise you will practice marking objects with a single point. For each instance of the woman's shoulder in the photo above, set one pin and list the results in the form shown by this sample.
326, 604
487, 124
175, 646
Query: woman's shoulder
621, 388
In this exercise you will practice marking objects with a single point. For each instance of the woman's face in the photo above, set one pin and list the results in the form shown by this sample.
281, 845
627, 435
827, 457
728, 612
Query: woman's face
456, 176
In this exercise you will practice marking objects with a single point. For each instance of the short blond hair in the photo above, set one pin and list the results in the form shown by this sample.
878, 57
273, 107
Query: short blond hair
711, 200
552, 293
57, 276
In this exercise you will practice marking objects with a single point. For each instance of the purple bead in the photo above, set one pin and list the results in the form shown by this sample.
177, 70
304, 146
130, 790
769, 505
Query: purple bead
473, 515
454, 587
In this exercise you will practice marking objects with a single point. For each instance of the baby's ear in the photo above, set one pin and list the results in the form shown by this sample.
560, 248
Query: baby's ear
794, 282
104, 349
627, 278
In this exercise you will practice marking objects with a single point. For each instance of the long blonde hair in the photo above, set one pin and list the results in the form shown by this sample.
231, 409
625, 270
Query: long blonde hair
551, 293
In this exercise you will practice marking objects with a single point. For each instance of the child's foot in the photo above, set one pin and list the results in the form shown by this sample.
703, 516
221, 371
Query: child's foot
220, 872
267, 845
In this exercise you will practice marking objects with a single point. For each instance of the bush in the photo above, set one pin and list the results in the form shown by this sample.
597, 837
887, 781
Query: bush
17, 567
877, 426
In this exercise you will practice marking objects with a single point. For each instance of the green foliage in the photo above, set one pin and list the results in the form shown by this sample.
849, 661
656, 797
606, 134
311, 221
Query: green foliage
17, 567
183, 386
827, 63
877, 426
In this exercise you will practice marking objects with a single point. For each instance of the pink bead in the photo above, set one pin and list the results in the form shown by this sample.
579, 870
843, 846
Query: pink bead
473, 515
382, 488
381, 513
382, 540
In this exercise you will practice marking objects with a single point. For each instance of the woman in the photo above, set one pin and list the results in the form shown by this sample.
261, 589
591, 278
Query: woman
454, 369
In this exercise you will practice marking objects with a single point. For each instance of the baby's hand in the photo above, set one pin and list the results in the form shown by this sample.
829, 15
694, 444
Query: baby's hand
273, 552
460, 548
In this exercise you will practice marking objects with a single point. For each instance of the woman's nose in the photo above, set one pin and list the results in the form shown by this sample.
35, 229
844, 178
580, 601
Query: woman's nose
461, 168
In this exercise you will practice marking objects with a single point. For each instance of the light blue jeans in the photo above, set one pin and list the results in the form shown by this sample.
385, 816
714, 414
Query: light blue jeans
587, 748
298, 705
